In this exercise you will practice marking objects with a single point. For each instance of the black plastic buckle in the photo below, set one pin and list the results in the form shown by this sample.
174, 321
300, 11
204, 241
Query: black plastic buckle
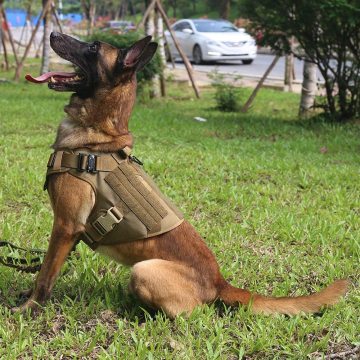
91, 164
122, 154
135, 159
80, 161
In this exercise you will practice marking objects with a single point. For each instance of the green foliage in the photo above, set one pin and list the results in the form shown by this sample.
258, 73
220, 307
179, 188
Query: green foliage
328, 31
71, 6
198, 8
124, 41
226, 97
226, 94
281, 216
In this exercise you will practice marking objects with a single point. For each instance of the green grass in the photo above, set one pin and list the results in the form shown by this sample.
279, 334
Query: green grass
281, 215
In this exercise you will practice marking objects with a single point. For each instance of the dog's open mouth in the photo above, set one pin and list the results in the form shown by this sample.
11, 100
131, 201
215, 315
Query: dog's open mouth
57, 80
69, 49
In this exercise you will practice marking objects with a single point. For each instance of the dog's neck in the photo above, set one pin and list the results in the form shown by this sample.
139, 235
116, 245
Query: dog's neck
99, 123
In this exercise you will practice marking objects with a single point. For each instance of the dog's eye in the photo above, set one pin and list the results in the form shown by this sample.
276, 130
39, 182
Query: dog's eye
93, 48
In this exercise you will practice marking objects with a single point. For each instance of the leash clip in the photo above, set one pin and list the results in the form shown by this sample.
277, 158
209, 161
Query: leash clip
135, 159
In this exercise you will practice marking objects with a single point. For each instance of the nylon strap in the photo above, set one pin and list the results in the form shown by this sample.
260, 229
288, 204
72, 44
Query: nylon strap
104, 162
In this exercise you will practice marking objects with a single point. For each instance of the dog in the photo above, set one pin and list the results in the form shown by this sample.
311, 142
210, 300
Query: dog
174, 271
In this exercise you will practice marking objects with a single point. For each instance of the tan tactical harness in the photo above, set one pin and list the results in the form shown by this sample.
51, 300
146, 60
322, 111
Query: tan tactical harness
128, 204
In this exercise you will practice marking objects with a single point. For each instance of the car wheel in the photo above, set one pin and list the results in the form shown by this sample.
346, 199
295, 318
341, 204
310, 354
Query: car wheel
247, 62
197, 55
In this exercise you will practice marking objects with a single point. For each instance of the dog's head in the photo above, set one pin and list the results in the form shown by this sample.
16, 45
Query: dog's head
97, 64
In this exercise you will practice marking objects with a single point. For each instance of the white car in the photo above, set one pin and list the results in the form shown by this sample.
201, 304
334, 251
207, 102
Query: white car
211, 40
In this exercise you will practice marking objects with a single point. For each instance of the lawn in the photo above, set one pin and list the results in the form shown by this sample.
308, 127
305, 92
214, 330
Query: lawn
276, 199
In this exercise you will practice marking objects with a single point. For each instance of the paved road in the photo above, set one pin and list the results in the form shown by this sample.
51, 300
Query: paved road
256, 69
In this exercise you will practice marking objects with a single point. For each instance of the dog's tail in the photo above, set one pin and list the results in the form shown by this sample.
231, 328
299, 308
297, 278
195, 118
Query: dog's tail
285, 305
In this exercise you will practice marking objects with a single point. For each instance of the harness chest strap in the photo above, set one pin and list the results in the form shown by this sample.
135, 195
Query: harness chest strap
84, 161
128, 205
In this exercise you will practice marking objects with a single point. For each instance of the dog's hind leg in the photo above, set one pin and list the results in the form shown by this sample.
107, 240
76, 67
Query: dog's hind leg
172, 287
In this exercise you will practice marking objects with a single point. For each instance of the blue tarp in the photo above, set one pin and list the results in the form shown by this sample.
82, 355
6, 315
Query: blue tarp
16, 17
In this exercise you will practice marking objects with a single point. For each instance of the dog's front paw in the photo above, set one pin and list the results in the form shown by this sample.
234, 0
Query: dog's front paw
25, 294
30, 305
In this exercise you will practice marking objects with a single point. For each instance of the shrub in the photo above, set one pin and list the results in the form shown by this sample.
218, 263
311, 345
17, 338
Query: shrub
226, 95
123, 41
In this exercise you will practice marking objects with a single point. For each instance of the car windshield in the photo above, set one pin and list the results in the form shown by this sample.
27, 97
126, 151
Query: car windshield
214, 26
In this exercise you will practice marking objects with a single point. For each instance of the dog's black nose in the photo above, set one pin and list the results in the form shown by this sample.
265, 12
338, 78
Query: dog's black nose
54, 34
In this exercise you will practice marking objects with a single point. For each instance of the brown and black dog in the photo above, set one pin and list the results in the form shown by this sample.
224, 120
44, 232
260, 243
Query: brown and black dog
174, 271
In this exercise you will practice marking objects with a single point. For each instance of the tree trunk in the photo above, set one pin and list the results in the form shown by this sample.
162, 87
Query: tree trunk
131, 8
92, 13
225, 9
309, 87
2, 43
89, 9
289, 65
123, 9
174, 8
160, 40
150, 30
20, 65
46, 41
194, 5
289, 68
260, 84
179, 49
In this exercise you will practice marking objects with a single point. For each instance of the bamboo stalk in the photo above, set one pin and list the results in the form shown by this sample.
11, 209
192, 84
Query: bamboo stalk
21, 63
159, 31
4, 47
179, 49
58, 23
146, 14
3, 43
10, 34
169, 52
259, 85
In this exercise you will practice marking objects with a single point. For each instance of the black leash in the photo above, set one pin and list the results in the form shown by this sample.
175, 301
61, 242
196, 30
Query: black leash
21, 264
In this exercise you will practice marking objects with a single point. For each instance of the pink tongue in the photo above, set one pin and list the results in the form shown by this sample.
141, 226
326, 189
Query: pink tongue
45, 77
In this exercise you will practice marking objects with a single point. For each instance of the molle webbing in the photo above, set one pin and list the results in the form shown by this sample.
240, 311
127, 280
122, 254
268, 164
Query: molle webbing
132, 191
128, 204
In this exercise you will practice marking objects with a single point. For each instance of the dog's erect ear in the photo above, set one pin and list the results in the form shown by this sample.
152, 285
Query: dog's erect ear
133, 54
147, 55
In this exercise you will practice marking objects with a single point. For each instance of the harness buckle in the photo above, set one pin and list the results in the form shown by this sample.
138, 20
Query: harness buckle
106, 222
79, 162
91, 164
